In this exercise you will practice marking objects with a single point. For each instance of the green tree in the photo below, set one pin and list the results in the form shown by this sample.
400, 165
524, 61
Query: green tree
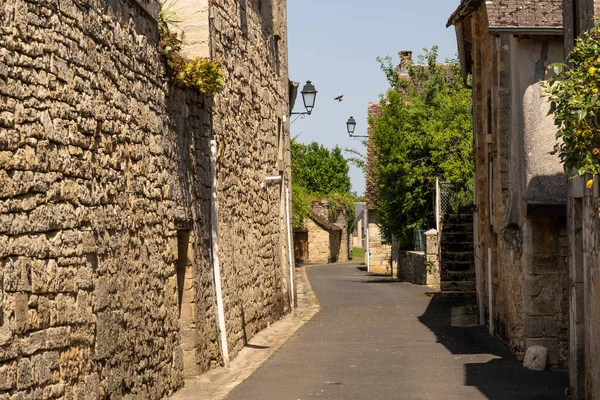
423, 132
318, 169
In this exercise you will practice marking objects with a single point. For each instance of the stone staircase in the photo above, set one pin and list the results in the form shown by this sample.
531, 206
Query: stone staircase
457, 262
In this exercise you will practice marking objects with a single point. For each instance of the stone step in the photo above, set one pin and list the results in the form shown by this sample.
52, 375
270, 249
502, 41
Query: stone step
457, 228
458, 286
453, 236
457, 217
454, 294
457, 247
468, 275
452, 256
457, 265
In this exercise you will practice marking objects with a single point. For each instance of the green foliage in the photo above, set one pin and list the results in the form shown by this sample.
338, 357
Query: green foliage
199, 73
575, 103
300, 202
319, 169
423, 131
320, 174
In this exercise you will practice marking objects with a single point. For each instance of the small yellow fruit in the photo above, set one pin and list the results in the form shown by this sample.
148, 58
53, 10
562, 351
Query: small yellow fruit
589, 184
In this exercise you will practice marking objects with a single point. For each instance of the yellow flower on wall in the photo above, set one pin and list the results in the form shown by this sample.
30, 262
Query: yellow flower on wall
592, 70
589, 184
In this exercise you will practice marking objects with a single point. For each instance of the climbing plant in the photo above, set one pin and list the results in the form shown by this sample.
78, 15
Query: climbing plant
200, 73
575, 105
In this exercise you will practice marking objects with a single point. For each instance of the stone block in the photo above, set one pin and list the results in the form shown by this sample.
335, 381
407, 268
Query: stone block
546, 303
51, 338
535, 358
21, 311
8, 376
16, 275
551, 344
24, 377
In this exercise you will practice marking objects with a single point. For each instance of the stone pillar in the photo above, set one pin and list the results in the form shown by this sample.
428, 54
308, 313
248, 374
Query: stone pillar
432, 258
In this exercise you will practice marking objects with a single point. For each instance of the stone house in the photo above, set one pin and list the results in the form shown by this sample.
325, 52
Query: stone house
130, 258
520, 189
584, 242
322, 241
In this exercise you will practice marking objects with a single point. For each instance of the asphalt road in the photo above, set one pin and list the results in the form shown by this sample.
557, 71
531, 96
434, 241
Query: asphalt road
376, 338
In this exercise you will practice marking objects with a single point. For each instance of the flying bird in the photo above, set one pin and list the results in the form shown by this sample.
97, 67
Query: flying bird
339, 98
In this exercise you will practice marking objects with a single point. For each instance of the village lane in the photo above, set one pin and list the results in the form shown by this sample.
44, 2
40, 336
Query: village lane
376, 338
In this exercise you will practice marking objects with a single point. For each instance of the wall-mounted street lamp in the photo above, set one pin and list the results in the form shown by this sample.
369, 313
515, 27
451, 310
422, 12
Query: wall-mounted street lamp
351, 126
309, 95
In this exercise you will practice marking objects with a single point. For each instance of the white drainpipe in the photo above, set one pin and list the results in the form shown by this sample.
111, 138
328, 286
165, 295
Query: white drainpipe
289, 241
368, 240
490, 292
215, 253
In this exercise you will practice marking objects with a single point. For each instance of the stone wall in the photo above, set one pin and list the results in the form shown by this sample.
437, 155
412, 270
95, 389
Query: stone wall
323, 244
106, 288
522, 243
249, 39
412, 267
379, 252
102, 169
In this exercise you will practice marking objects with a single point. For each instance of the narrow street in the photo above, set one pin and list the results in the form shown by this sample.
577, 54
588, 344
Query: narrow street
376, 338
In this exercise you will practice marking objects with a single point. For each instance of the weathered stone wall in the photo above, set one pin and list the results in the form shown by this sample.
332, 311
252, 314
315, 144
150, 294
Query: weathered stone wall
412, 267
527, 253
104, 205
380, 253
252, 132
319, 243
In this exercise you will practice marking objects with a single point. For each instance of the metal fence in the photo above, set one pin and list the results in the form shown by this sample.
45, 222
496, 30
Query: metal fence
449, 196
419, 240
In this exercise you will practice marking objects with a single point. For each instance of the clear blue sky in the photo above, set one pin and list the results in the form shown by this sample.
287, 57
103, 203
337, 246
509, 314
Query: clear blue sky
335, 43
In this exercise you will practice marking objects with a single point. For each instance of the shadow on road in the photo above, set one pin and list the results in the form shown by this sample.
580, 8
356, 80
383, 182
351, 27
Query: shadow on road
503, 377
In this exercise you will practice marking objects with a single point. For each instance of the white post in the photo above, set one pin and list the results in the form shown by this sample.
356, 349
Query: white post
289, 241
478, 268
215, 253
368, 231
437, 204
490, 294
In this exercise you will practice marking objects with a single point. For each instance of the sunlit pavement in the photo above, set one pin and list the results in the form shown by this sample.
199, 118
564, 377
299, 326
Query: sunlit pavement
376, 338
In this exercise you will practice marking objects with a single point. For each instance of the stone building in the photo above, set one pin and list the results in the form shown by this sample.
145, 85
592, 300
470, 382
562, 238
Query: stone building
520, 189
584, 242
127, 261
322, 241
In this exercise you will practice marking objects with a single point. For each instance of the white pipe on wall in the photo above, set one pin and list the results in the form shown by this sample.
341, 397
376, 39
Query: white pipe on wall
368, 240
289, 241
490, 292
215, 253
478, 269
437, 205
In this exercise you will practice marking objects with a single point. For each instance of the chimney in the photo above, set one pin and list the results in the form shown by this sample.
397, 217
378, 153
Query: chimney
405, 61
